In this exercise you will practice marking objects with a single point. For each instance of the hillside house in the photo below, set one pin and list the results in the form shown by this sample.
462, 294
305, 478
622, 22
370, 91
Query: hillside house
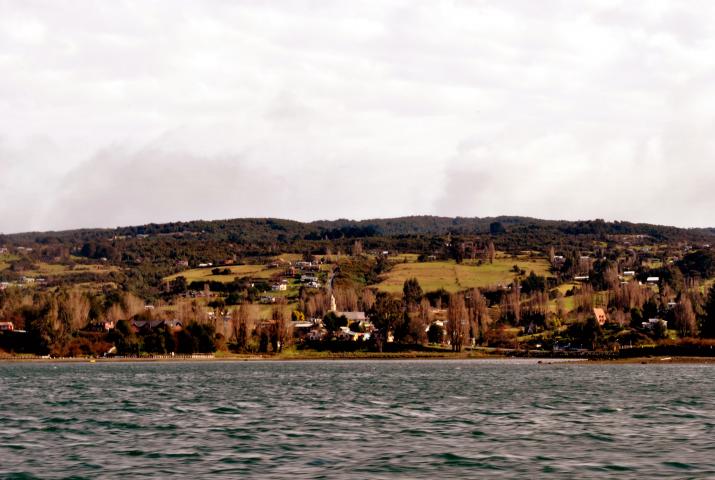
652, 322
7, 326
316, 335
352, 317
147, 326
600, 315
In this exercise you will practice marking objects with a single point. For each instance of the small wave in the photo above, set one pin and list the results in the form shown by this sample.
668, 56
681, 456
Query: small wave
678, 465
226, 411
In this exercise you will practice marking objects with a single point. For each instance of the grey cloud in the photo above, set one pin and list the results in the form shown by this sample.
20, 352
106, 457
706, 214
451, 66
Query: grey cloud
175, 110
154, 184
124, 187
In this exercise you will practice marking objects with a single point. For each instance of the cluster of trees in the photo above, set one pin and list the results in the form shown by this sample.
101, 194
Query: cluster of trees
70, 322
60, 318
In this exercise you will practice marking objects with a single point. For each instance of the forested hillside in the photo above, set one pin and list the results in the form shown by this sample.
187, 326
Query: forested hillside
255, 285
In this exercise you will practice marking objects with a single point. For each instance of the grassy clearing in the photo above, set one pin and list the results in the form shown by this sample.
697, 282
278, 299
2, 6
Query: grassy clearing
289, 257
454, 277
5, 260
54, 269
565, 287
58, 270
404, 257
569, 304
204, 274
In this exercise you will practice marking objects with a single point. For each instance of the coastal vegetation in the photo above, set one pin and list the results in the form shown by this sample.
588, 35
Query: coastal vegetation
427, 285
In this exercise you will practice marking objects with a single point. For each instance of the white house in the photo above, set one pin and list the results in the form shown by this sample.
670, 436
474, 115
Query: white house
652, 322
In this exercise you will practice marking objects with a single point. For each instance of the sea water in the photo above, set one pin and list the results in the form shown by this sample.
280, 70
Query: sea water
356, 419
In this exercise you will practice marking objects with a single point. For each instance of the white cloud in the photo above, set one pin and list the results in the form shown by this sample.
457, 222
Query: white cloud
130, 112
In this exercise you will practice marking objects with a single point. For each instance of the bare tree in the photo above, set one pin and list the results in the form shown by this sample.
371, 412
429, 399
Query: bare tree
73, 310
631, 295
346, 299
368, 299
511, 304
478, 314
133, 305
584, 298
457, 322
560, 307
280, 327
242, 321
190, 311
491, 252
114, 313
685, 319
611, 278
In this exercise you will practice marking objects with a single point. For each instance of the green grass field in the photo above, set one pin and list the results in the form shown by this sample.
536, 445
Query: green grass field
5, 260
454, 277
204, 274
55, 269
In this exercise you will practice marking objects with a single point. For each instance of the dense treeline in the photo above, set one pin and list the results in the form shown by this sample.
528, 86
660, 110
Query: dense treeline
263, 232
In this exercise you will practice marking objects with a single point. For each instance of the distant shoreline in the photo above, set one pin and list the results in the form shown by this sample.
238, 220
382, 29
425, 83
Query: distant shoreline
371, 357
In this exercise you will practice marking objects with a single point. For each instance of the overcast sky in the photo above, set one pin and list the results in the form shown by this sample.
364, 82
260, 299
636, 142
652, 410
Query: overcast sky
120, 113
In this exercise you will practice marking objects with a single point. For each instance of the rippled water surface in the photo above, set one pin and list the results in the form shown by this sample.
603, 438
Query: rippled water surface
391, 419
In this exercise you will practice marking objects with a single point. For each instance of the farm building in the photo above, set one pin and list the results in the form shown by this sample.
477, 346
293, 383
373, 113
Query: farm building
600, 315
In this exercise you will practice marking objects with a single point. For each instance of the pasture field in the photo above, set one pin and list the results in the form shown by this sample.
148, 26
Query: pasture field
5, 260
289, 257
569, 304
204, 274
55, 269
404, 257
565, 287
454, 277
